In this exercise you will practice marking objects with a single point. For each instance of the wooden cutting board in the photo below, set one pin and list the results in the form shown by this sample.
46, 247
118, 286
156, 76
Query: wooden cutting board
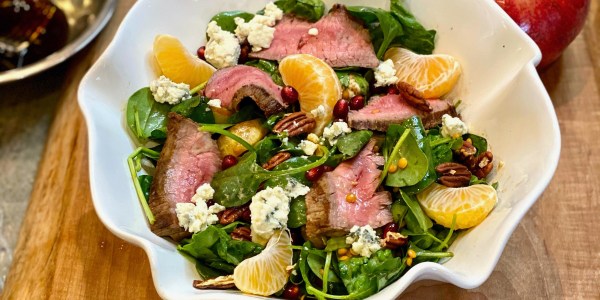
65, 252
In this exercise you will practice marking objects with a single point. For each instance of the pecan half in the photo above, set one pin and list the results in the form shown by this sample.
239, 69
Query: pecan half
394, 240
453, 174
466, 150
233, 214
241, 234
481, 165
413, 97
276, 160
221, 283
295, 124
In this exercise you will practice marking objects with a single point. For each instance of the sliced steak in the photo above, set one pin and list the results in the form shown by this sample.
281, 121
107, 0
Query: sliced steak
231, 85
392, 109
327, 211
189, 158
342, 40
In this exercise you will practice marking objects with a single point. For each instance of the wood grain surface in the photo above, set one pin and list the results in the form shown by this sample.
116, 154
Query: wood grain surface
65, 252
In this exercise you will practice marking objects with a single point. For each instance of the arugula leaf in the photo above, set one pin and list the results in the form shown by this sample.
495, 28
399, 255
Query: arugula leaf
225, 19
351, 143
415, 37
311, 10
145, 115
383, 25
195, 108
215, 252
236, 185
268, 67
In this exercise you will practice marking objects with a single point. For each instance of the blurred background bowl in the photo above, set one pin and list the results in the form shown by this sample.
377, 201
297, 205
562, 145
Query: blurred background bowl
85, 19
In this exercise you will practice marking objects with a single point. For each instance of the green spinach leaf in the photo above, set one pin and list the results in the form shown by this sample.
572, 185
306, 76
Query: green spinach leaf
479, 142
316, 263
351, 144
268, 67
417, 130
364, 276
225, 19
297, 215
248, 110
145, 184
415, 37
416, 169
195, 108
384, 27
311, 10
145, 115
236, 185
215, 252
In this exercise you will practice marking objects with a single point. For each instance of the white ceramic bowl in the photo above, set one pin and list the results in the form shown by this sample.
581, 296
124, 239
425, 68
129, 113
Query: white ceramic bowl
502, 98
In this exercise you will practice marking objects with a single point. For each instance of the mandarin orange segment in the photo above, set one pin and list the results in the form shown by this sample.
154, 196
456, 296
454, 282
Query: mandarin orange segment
471, 204
316, 83
266, 273
434, 75
178, 64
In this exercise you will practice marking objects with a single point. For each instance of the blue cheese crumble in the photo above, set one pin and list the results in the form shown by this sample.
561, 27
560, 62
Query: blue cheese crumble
334, 131
269, 210
223, 48
197, 217
214, 102
385, 74
308, 147
453, 127
259, 31
166, 91
364, 240
203, 193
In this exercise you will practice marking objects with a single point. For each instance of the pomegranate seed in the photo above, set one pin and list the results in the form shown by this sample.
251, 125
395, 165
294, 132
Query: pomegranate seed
357, 102
289, 94
327, 168
228, 162
392, 89
200, 52
390, 227
291, 291
340, 110
314, 174
244, 51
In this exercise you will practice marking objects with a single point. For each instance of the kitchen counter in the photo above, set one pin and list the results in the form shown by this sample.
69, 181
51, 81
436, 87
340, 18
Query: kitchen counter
64, 251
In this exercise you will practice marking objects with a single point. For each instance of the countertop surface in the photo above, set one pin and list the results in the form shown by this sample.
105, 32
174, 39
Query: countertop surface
64, 251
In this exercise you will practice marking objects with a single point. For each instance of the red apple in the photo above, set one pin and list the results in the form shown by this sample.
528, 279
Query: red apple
552, 24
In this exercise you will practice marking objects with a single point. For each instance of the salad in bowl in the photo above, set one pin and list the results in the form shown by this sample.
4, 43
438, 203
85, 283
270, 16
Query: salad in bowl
306, 151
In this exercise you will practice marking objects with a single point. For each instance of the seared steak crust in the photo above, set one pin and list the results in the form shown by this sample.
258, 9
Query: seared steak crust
231, 85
